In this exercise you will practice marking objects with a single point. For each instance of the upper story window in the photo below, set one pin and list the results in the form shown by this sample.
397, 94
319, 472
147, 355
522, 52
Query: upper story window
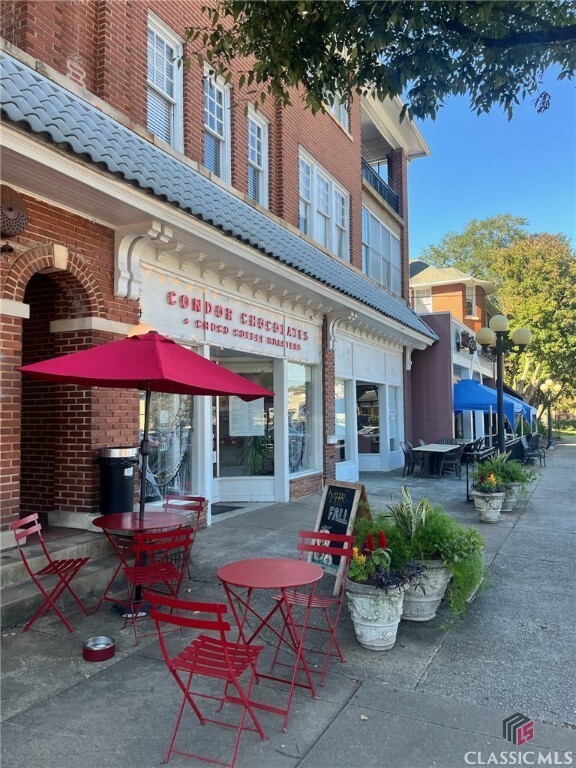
339, 109
258, 159
324, 208
216, 127
422, 299
164, 95
380, 252
470, 301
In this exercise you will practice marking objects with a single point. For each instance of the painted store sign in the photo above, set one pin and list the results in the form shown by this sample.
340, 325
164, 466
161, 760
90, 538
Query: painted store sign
202, 315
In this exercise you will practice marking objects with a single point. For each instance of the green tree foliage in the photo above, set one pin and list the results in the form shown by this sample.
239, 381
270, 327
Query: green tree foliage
474, 249
535, 278
538, 291
423, 51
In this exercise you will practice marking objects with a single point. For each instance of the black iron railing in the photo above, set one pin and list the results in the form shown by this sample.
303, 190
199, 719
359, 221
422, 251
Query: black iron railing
378, 183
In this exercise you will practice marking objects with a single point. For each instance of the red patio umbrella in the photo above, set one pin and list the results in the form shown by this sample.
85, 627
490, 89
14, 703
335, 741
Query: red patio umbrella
149, 362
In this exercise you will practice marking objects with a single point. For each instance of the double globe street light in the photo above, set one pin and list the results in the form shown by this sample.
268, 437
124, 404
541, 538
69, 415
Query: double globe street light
497, 341
549, 388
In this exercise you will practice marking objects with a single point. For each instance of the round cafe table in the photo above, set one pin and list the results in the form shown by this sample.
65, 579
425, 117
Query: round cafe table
280, 574
127, 523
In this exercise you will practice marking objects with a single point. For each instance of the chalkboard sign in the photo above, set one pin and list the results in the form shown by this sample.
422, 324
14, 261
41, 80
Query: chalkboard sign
337, 513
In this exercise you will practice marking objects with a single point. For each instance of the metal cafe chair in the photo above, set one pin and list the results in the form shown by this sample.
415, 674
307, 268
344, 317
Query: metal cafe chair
322, 612
54, 578
192, 507
209, 655
160, 558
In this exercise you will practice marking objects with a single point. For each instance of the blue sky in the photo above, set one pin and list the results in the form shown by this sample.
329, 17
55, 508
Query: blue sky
483, 166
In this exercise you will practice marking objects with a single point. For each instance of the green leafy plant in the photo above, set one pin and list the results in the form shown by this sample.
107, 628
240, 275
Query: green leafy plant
422, 531
488, 476
515, 472
372, 565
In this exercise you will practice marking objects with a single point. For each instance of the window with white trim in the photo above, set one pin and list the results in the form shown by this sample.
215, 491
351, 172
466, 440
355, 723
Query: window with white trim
324, 208
164, 84
422, 299
258, 159
216, 127
339, 109
470, 301
380, 252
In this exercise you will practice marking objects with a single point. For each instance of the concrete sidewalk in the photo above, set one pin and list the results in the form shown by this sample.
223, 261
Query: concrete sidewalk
438, 698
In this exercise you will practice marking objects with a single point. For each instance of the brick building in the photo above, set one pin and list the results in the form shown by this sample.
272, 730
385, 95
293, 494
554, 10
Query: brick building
455, 305
272, 241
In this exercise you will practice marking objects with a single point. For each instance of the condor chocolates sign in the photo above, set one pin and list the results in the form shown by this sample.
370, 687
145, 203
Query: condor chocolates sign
226, 321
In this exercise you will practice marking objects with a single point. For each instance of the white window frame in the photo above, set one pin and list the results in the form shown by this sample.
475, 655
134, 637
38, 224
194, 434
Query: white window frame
175, 100
324, 208
224, 137
261, 169
381, 252
339, 110
470, 298
422, 299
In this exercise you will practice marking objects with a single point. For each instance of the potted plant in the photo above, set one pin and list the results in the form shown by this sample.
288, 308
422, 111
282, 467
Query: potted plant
451, 553
488, 489
516, 477
375, 592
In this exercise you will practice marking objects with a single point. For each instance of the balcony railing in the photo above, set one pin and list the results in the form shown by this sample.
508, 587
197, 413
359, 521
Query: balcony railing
378, 183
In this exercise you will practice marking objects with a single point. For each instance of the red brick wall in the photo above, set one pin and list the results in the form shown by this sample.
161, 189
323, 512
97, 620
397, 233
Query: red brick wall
431, 375
56, 430
449, 298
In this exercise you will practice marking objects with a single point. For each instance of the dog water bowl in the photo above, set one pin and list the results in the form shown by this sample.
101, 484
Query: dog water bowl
99, 648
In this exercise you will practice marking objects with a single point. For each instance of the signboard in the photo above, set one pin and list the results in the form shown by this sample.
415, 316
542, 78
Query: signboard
337, 513
246, 419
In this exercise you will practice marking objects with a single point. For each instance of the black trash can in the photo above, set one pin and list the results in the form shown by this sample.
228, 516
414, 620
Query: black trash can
117, 479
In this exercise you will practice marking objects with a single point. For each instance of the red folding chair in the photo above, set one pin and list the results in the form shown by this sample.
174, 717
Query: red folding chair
323, 611
207, 656
192, 507
159, 562
54, 578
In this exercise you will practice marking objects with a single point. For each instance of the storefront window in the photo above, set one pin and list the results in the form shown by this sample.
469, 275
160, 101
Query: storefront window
394, 417
246, 430
170, 430
340, 418
299, 417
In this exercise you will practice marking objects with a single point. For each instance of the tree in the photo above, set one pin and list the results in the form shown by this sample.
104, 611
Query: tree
538, 291
535, 279
422, 51
474, 249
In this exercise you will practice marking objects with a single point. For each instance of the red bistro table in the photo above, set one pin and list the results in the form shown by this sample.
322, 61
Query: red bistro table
279, 574
129, 523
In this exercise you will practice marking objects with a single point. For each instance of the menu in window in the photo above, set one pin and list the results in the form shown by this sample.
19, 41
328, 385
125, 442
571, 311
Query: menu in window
246, 419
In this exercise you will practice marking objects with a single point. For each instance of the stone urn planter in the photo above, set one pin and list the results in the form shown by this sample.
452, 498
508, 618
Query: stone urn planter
511, 496
375, 614
488, 505
421, 604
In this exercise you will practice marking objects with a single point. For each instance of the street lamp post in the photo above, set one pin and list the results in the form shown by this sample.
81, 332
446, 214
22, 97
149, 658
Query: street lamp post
550, 389
495, 339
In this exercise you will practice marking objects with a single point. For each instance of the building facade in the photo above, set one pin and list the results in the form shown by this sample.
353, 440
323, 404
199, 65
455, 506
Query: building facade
264, 239
455, 306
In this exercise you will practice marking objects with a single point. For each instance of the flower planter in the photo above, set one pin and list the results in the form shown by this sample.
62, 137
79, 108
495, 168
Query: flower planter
511, 496
375, 614
422, 605
488, 505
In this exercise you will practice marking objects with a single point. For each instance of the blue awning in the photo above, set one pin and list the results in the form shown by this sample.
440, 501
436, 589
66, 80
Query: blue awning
470, 395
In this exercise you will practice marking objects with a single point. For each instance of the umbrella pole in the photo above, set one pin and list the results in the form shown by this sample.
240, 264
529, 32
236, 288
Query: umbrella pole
144, 451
